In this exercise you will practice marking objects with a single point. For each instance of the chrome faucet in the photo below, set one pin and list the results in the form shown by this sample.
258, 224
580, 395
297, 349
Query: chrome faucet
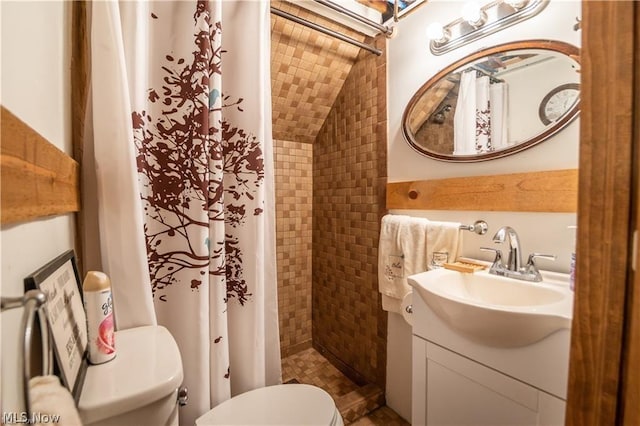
513, 267
514, 261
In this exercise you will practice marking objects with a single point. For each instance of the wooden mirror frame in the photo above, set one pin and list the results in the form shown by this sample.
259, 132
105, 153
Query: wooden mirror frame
552, 45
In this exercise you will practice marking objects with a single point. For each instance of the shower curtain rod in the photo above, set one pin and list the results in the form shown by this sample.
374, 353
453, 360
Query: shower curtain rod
382, 28
326, 31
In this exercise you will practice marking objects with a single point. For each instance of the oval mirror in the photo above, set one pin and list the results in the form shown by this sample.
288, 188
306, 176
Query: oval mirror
495, 102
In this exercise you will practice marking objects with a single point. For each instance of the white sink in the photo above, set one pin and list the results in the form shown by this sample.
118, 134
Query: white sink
496, 311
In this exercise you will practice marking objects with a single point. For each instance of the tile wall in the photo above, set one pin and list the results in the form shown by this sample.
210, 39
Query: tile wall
349, 177
329, 126
308, 70
293, 161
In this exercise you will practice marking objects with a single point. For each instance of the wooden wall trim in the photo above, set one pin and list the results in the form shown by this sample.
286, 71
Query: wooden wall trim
80, 69
606, 128
79, 76
631, 350
37, 178
545, 191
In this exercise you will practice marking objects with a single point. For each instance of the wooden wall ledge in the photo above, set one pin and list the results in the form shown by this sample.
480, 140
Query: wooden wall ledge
37, 178
546, 191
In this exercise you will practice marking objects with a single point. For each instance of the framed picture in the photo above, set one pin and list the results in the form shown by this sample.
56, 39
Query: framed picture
404, 7
60, 282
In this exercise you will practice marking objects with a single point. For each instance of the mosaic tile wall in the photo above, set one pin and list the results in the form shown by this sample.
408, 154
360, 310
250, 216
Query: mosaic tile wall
293, 162
308, 70
349, 176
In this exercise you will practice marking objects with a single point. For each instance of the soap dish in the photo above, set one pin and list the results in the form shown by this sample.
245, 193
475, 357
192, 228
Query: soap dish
465, 266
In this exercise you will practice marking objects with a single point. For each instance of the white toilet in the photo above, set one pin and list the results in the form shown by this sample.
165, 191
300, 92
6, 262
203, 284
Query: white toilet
140, 387
292, 404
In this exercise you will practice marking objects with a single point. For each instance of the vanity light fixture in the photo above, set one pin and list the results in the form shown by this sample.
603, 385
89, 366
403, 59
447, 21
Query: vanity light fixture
479, 21
517, 4
473, 14
436, 32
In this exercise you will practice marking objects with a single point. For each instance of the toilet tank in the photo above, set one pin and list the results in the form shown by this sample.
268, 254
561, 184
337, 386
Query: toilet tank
139, 386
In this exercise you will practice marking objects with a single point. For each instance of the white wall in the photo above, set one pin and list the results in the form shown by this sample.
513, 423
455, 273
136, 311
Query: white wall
526, 85
36, 40
410, 65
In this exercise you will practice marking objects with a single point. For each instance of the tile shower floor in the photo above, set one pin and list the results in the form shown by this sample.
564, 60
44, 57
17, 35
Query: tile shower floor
359, 405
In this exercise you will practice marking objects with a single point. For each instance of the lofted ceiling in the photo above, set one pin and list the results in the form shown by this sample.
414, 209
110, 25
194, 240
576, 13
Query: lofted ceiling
308, 70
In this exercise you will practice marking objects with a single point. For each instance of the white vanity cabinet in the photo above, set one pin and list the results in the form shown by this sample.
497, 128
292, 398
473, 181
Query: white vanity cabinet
457, 381
459, 391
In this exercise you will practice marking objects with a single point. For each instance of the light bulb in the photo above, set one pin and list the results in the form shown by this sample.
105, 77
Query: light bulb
437, 33
517, 4
473, 14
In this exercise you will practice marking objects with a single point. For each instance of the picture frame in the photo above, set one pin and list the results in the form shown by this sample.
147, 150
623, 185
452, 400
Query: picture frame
405, 7
66, 319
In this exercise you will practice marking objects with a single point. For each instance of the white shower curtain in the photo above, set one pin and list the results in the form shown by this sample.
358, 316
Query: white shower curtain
464, 119
483, 116
122, 243
499, 106
480, 119
193, 78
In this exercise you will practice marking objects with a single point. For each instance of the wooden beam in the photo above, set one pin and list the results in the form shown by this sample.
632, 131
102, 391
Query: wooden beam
546, 191
37, 178
631, 360
602, 274
80, 69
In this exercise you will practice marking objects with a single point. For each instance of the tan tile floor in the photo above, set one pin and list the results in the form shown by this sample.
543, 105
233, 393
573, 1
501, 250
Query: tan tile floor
310, 367
383, 416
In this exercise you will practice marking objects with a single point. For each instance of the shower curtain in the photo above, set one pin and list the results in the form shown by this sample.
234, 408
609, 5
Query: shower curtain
189, 83
483, 116
464, 119
498, 95
480, 119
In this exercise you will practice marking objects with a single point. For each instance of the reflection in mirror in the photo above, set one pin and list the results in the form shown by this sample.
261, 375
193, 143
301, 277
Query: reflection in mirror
386, 7
495, 102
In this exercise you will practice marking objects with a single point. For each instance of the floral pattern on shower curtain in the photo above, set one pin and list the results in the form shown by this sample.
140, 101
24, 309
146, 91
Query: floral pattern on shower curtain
483, 116
200, 115
185, 148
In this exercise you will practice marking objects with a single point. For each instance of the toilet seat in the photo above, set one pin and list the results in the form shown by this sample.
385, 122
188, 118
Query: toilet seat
292, 404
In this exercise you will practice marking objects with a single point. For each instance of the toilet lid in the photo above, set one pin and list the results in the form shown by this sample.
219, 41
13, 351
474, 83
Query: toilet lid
147, 367
293, 404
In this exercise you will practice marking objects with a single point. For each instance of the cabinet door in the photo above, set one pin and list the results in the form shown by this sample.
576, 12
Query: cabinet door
458, 391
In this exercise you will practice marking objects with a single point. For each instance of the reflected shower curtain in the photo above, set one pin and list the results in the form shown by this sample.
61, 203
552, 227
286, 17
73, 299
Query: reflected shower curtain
498, 95
464, 119
480, 119
198, 87
483, 116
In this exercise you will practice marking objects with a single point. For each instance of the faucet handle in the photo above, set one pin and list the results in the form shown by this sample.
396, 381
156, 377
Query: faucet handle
496, 267
534, 256
532, 270
498, 253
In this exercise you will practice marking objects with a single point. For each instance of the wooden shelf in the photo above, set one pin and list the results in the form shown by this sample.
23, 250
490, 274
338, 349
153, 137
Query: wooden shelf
545, 191
37, 178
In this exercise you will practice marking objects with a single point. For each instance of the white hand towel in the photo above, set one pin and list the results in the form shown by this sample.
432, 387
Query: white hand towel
49, 399
444, 242
409, 245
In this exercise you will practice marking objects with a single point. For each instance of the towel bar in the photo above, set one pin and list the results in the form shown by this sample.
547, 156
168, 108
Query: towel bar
480, 227
32, 301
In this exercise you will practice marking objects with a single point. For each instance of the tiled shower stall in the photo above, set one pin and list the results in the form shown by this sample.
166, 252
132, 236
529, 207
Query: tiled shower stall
329, 126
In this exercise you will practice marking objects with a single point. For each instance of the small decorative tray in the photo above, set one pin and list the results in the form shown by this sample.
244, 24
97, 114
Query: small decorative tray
465, 266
